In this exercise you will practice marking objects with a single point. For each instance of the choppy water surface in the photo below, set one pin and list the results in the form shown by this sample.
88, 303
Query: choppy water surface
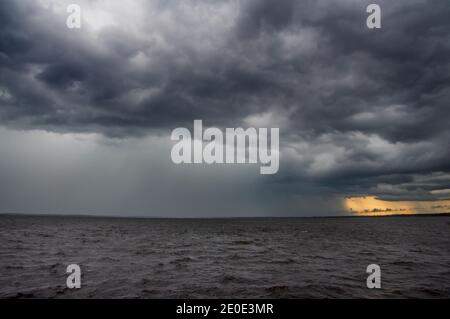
236, 258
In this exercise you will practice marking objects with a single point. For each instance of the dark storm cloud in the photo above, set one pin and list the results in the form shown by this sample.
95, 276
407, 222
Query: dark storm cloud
358, 109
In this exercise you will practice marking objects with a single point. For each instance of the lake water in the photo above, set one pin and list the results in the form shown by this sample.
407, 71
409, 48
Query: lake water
225, 258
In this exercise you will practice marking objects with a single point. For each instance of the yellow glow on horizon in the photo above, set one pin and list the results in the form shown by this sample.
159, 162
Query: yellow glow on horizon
371, 206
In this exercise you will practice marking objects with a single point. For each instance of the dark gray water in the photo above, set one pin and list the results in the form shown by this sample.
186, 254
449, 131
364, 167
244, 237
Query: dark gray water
249, 258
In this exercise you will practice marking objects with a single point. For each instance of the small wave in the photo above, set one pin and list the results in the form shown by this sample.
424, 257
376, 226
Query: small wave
277, 289
13, 267
182, 260
283, 261
23, 295
403, 263
242, 242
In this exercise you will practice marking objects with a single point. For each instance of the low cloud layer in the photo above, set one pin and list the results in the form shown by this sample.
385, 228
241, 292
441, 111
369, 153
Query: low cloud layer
360, 111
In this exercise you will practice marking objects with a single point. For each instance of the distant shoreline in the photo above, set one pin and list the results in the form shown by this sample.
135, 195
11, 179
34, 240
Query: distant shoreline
218, 218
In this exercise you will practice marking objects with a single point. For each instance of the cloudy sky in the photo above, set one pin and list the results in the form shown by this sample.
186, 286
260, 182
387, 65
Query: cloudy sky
86, 114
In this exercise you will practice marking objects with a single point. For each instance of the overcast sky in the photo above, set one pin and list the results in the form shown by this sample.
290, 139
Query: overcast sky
86, 115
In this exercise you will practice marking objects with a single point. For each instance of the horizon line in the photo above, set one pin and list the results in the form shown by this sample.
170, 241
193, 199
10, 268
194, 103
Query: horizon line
219, 217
